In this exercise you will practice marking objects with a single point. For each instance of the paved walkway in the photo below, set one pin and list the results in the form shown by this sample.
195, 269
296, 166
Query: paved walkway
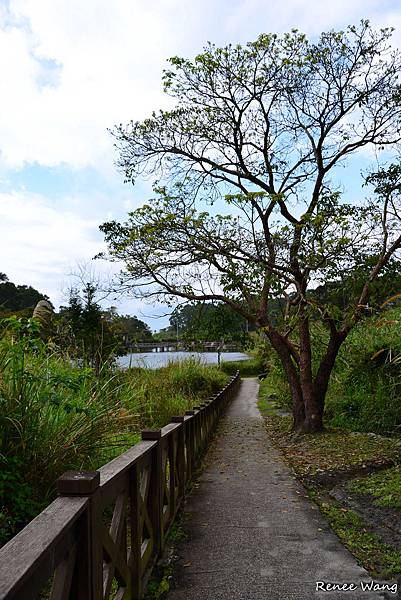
252, 533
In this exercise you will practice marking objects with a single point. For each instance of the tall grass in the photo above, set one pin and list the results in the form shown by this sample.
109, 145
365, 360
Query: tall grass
156, 395
365, 390
55, 416
247, 368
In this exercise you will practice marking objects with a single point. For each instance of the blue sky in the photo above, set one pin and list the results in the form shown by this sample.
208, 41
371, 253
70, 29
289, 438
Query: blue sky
69, 69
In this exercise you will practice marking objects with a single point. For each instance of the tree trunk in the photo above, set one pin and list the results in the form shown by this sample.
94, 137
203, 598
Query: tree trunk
298, 409
314, 409
323, 374
281, 346
313, 405
308, 394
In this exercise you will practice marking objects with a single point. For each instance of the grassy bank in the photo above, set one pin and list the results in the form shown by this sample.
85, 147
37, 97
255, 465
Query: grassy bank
55, 417
247, 368
346, 474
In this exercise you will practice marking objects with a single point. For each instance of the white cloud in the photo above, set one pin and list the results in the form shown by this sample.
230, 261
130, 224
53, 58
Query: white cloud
39, 243
71, 68
309, 16
106, 60
109, 66
47, 248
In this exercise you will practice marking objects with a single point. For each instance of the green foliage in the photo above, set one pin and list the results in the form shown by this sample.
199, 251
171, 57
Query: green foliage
155, 395
17, 297
166, 334
208, 322
129, 328
83, 332
24, 330
50, 421
176, 533
55, 416
17, 504
276, 384
270, 401
382, 560
385, 487
158, 589
86, 332
347, 288
364, 393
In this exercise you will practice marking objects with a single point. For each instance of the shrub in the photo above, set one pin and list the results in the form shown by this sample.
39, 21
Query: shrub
17, 505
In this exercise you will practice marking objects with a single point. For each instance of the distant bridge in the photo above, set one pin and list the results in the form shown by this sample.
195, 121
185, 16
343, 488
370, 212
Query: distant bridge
177, 345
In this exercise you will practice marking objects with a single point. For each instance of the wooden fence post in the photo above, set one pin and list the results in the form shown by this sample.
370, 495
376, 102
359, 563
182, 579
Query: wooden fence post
156, 488
88, 578
180, 458
190, 442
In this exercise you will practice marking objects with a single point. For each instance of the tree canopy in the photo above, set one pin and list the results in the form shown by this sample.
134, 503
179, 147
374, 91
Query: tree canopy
92, 334
17, 297
129, 329
83, 330
208, 322
246, 210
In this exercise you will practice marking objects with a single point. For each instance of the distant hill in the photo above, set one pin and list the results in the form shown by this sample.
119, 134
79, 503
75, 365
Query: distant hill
17, 297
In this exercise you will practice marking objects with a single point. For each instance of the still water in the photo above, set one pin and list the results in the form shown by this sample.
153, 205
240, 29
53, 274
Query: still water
155, 360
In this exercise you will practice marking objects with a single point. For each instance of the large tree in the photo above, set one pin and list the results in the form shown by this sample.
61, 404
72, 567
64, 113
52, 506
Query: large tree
259, 132
84, 331
205, 321
129, 330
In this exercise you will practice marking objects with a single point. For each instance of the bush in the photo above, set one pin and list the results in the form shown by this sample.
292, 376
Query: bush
17, 505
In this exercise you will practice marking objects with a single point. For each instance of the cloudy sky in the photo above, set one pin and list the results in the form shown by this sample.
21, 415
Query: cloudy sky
69, 69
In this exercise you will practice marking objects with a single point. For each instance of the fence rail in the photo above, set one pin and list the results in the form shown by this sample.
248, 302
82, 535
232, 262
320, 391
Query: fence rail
101, 537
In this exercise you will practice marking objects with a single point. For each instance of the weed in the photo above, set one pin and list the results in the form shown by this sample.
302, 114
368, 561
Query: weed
382, 560
384, 486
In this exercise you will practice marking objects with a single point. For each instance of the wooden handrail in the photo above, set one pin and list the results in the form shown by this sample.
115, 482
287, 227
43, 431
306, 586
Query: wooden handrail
101, 537
41, 548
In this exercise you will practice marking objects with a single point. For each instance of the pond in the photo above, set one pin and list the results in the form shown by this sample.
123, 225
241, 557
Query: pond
155, 360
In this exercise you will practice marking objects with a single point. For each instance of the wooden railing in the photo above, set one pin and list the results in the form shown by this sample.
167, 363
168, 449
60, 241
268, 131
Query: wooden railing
100, 539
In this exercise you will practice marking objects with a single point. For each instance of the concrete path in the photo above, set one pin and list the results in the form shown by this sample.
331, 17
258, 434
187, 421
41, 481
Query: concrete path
252, 534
